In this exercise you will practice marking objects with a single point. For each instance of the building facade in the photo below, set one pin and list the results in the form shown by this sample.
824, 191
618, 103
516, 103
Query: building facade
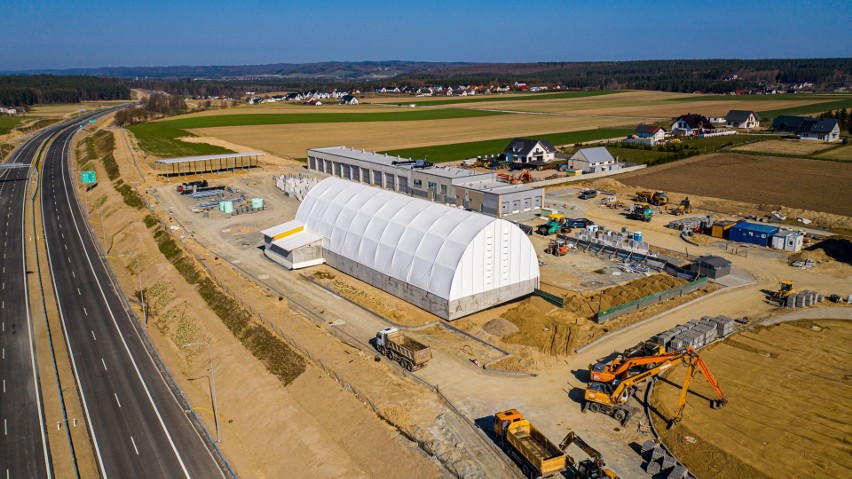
472, 190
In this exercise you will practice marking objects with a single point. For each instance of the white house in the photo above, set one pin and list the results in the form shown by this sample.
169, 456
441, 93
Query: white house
648, 135
825, 129
742, 119
692, 125
594, 160
348, 100
8, 111
534, 152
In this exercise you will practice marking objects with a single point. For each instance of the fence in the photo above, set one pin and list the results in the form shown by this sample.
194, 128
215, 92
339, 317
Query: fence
550, 298
587, 176
650, 300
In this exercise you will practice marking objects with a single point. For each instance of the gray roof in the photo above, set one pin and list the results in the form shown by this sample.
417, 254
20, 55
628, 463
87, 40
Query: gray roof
804, 124
192, 159
714, 261
824, 125
740, 116
598, 154
523, 146
388, 160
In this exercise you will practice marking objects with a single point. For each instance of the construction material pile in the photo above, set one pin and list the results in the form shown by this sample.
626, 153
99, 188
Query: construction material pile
692, 223
659, 461
696, 334
296, 186
802, 299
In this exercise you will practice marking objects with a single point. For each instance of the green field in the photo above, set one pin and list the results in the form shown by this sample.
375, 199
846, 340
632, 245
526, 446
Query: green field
808, 109
498, 97
782, 96
840, 153
9, 122
160, 139
461, 151
295, 118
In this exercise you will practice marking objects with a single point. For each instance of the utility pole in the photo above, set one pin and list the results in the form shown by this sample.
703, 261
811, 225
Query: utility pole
141, 293
212, 385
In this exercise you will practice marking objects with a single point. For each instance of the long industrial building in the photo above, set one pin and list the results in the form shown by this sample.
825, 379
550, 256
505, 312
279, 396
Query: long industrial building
472, 190
445, 260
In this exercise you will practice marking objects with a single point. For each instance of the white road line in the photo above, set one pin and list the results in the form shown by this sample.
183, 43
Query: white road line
134, 445
66, 247
93, 334
104, 363
4, 354
116, 399
5, 427
79, 293
4, 386
87, 313
73, 275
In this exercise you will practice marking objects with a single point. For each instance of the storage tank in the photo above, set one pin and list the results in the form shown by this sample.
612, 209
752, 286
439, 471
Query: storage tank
257, 203
227, 206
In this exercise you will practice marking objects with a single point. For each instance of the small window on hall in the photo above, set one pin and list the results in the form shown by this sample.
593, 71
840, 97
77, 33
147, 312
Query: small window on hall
418, 183
432, 186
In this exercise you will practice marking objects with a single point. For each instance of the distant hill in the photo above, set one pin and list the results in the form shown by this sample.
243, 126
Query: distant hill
325, 71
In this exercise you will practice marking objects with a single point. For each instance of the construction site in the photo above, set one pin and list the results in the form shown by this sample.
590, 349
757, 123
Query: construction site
599, 334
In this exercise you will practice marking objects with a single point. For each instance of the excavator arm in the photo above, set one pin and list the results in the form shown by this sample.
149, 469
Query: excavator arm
618, 395
697, 364
641, 361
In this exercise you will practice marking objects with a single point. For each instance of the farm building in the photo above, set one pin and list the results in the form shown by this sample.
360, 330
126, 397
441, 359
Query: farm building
742, 119
819, 129
472, 190
530, 152
752, 233
713, 267
445, 260
692, 124
648, 134
788, 240
348, 100
593, 160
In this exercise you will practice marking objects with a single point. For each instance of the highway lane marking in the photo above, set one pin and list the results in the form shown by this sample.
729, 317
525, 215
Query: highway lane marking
104, 363
5, 427
87, 313
93, 333
4, 354
66, 247
134, 445
116, 398
4, 386
79, 293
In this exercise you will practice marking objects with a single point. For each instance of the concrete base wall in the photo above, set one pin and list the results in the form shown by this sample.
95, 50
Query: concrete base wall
300, 258
436, 305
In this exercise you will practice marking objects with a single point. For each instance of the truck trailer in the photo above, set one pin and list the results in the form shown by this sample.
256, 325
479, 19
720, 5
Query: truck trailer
409, 353
537, 456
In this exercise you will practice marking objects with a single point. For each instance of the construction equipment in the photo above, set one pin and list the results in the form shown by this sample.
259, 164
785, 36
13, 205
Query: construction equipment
554, 223
641, 212
557, 247
785, 289
523, 177
685, 207
593, 468
527, 446
617, 369
611, 398
645, 348
409, 353
656, 198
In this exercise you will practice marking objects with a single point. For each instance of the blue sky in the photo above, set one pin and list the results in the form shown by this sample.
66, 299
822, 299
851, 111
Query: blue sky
64, 34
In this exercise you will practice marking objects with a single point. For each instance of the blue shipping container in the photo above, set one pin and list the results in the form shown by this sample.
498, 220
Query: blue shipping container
752, 233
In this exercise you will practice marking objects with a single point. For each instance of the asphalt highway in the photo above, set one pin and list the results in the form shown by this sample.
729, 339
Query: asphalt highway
24, 449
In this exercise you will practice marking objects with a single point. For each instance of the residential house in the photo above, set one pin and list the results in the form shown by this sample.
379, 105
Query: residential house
530, 152
649, 134
501, 89
348, 100
593, 160
692, 124
424, 91
295, 97
8, 111
314, 102
519, 85
742, 119
819, 129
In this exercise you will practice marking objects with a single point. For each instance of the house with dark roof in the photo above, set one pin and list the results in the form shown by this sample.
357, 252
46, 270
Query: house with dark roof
593, 160
807, 128
532, 152
742, 119
713, 267
648, 134
692, 124
348, 100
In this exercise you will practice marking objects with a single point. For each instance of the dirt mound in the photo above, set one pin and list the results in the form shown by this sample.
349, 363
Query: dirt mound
544, 327
588, 305
837, 248
500, 327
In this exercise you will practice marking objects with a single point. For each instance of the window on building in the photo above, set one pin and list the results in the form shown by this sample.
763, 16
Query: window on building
432, 186
418, 183
443, 189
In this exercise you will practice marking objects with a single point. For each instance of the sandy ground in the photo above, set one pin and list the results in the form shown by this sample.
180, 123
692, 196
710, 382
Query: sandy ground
324, 428
777, 422
552, 396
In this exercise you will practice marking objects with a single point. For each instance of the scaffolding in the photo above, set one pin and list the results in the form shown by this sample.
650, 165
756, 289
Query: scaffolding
193, 165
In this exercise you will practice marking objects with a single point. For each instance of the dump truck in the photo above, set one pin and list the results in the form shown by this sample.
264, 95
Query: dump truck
527, 446
409, 353
656, 198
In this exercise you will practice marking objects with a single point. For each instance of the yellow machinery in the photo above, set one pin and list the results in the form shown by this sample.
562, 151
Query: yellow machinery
619, 368
537, 456
611, 398
593, 468
656, 198
784, 289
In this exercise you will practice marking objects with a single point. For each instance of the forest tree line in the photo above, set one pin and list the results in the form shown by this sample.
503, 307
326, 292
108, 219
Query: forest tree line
25, 90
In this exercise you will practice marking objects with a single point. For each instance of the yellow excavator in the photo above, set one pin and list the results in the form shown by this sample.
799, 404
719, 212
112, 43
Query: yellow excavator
619, 368
611, 398
593, 468
785, 289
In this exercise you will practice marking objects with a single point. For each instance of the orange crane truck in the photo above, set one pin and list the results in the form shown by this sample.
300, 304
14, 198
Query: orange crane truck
527, 446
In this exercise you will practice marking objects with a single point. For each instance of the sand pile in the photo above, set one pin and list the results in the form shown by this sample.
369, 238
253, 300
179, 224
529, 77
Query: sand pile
589, 304
500, 327
837, 248
540, 325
